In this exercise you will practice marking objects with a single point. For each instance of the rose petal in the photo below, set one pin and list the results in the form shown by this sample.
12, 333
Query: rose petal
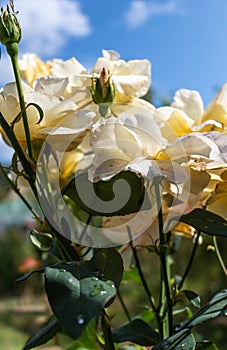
190, 102
217, 109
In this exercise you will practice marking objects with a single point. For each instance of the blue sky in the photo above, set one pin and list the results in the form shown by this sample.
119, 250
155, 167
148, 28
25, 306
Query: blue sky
184, 39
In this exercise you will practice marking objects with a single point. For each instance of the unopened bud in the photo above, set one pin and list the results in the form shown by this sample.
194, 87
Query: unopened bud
10, 30
102, 89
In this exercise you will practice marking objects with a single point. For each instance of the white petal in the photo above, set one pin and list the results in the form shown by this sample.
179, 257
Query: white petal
52, 86
110, 55
190, 102
140, 67
173, 122
127, 141
145, 130
221, 142
72, 124
136, 85
217, 109
194, 144
116, 67
67, 68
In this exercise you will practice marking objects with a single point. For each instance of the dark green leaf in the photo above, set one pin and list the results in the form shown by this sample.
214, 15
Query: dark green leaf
76, 302
182, 340
110, 264
206, 221
16, 119
123, 194
27, 275
136, 331
192, 297
15, 163
78, 269
4, 183
205, 345
217, 306
87, 340
39, 109
20, 114
45, 334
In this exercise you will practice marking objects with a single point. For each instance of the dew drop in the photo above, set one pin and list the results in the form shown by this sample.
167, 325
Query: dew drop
94, 278
103, 291
80, 319
62, 270
110, 283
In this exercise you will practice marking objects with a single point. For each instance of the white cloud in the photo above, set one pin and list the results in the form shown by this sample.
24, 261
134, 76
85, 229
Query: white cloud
47, 24
141, 11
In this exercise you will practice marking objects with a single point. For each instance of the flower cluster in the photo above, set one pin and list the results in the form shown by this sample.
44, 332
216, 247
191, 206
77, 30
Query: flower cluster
182, 144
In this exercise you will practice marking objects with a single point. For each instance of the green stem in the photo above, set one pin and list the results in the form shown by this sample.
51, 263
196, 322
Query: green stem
124, 306
20, 153
144, 283
191, 259
140, 271
109, 345
12, 50
66, 249
219, 255
163, 258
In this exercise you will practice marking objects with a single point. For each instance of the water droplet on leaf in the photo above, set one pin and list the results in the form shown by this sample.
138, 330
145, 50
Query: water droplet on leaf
94, 278
110, 283
80, 319
103, 291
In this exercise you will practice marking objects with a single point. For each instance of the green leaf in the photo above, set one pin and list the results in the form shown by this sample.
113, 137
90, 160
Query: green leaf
42, 240
87, 340
136, 331
45, 334
39, 109
217, 306
205, 345
147, 315
132, 275
76, 302
192, 297
27, 275
182, 340
110, 264
206, 222
107, 198
15, 163
78, 269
